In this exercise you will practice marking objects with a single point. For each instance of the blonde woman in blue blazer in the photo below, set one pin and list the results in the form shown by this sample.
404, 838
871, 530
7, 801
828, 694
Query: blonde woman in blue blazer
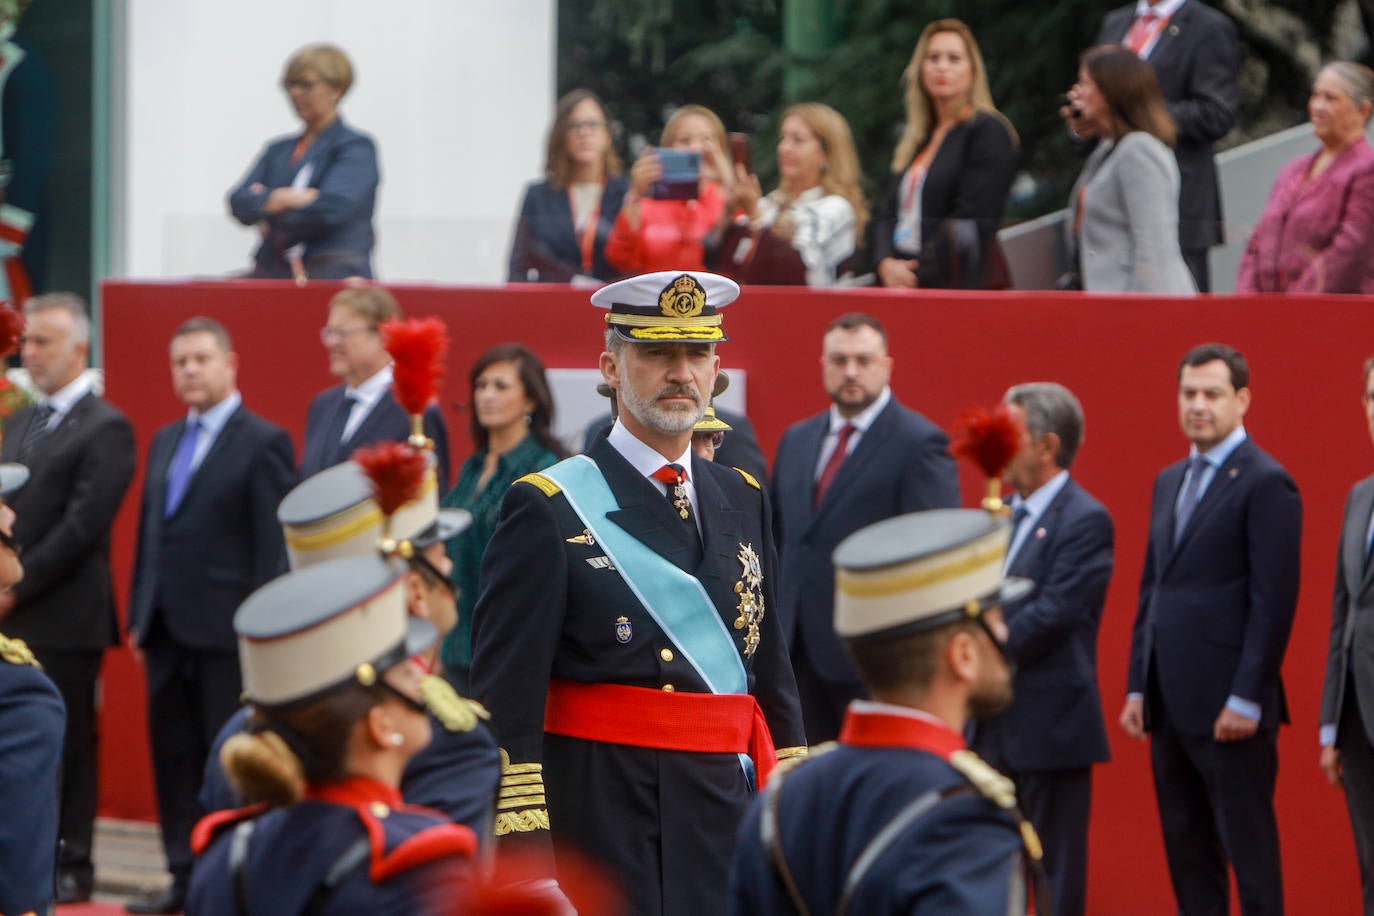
1124, 230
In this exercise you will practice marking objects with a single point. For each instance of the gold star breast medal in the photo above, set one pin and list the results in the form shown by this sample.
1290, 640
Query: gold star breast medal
749, 588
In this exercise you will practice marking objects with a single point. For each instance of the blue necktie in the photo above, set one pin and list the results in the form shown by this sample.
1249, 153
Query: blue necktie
179, 475
1189, 501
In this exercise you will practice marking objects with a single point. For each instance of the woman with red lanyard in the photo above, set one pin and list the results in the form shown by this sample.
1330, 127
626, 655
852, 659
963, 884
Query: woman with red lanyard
565, 219
936, 225
665, 234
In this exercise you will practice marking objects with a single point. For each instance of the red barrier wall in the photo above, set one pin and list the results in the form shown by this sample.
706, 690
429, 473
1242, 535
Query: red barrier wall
1118, 354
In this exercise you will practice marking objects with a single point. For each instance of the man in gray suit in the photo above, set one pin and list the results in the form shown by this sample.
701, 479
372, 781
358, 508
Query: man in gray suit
1347, 714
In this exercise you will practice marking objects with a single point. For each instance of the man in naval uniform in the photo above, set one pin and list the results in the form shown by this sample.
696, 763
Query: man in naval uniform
899, 817
625, 641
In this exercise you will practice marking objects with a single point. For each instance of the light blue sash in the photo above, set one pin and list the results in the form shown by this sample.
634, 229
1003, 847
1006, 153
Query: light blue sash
675, 600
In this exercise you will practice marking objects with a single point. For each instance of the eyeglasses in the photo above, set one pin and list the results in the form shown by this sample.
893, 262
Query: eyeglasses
329, 335
302, 85
579, 126
716, 438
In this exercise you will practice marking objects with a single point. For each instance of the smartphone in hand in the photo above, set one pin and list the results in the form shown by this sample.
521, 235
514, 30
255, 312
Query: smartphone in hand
681, 175
739, 150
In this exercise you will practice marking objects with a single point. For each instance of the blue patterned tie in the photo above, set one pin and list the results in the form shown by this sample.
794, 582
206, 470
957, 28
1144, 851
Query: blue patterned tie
180, 473
1189, 501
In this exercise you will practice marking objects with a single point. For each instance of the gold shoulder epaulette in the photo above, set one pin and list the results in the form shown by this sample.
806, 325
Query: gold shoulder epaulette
788, 759
991, 784
455, 712
520, 805
749, 478
543, 483
16, 652
1001, 791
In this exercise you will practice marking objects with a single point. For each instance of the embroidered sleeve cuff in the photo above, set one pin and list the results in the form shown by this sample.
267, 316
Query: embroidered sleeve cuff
520, 804
1246, 708
787, 753
1326, 735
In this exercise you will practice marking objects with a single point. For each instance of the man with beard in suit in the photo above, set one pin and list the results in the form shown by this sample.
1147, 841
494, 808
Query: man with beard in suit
207, 537
1053, 733
1347, 712
1195, 55
625, 639
362, 411
1217, 599
865, 459
80, 453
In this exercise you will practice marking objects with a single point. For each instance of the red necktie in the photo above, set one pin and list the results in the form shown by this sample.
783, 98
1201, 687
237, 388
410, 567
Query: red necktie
1141, 32
832, 464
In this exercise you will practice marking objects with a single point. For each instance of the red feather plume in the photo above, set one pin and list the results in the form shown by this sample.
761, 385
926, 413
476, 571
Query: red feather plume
418, 345
11, 329
397, 471
988, 438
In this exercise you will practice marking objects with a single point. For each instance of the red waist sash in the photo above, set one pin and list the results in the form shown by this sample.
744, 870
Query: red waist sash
730, 723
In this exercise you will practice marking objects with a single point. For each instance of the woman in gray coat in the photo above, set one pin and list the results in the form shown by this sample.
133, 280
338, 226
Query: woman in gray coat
1124, 231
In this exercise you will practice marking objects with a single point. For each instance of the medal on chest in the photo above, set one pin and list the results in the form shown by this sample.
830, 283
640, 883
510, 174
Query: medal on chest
749, 588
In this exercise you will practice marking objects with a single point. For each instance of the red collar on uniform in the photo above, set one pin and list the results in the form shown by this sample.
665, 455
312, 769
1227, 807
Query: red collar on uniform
877, 729
355, 792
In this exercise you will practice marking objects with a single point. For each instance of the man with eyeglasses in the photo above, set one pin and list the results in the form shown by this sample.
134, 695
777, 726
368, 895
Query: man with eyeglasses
362, 411
865, 459
207, 538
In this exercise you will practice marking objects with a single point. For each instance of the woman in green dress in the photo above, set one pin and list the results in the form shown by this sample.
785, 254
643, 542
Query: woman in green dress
512, 420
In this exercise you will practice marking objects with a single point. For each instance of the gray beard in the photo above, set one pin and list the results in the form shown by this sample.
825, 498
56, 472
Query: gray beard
648, 413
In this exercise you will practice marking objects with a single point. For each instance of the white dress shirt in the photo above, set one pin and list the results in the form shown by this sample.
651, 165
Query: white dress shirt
646, 461
861, 421
365, 397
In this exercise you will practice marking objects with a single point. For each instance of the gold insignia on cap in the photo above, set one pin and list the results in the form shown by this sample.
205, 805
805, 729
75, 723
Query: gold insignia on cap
366, 674
683, 298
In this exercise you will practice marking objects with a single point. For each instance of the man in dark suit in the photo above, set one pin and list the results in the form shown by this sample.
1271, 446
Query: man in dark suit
207, 537
624, 640
1347, 712
865, 459
362, 411
1217, 598
1194, 52
80, 452
1053, 733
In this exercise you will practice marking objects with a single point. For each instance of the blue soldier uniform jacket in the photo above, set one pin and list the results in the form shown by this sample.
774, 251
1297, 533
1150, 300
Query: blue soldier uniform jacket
554, 608
389, 857
896, 818
32, 719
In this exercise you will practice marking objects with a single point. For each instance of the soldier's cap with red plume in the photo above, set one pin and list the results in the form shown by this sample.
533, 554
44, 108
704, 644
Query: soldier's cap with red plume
11, 329
417, 347
990, 438
389, 492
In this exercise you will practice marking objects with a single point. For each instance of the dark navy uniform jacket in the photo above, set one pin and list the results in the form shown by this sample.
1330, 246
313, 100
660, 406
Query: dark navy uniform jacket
410, 860
336, 229
32, 720
551, 607
964, 856
457, 774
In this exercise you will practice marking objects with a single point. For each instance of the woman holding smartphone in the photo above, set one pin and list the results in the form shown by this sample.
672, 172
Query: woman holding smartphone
661, 225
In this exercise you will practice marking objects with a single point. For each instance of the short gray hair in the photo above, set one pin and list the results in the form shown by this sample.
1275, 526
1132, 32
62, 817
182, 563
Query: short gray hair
1356, 79
70, 303
1051, 408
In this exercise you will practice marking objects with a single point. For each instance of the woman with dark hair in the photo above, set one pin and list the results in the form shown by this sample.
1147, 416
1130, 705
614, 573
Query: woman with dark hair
336, 713
1124, 231
936, 226
512, 429
806, 230
566, 218
1315, 232
311, 195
